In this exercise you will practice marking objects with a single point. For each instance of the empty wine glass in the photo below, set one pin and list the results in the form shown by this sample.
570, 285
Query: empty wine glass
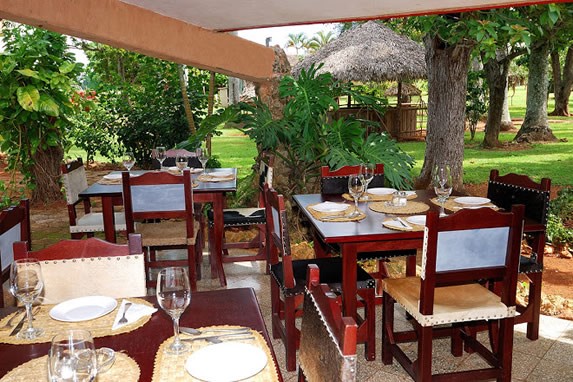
174, 295
367, 172
128, 160
160, 155
72, 357
181, 161
356, 186
442, 182
202, 156
26, 284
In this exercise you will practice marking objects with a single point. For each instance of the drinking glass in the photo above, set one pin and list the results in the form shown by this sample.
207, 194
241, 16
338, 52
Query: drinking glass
128, 160
72, 357
181, 161
367, 172
356, 186
26, 284
442, 182
174, 295
203, 157
160, 155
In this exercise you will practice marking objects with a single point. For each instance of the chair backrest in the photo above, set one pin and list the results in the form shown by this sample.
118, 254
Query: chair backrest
277, 228
74, 179
506, 190
336, 182
14, 226
328, 340
91, 267
158, 195
468, 246
265, 175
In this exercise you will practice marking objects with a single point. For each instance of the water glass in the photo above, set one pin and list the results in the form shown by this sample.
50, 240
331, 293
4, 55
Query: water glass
182, 162
442, 182
72, 357
174, 296
356, 187
128, 160
367, 172
160, 155
202, 156
26, 284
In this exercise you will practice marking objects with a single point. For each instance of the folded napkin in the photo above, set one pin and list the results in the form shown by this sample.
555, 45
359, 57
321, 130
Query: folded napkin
134, 313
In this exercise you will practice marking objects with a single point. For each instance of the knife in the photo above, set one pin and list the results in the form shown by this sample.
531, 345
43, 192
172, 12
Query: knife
195, 332
404, 224
18, 327
207, 338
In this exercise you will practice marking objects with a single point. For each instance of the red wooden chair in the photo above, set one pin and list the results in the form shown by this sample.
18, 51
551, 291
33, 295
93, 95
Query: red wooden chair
92, 267
87, 222
159, 206
14, 227
288, 280
327, 339
461, 251
504, 191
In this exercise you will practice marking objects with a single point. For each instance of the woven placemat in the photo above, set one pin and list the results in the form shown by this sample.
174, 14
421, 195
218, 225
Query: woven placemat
415, 227
124, 369
98, 327
171, 368
453, 206
410, 208
179, 172
333, 216
109, 182
211, 178
376, 198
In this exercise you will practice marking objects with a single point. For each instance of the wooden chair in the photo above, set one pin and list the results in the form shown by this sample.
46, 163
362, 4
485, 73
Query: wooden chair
336, 182
327, 339
159, 206
14, 227
461, 252
288, 280
92, 267
504, 191
248, 217
75, 181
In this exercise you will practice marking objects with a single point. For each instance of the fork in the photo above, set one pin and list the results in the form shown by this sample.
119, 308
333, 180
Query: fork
123, 319
8, 325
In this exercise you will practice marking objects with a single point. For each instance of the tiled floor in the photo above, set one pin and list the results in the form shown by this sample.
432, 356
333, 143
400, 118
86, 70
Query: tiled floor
547, 359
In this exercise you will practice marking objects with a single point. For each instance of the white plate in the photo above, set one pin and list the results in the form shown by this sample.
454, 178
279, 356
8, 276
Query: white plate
226, 362
83, 308
417, 219
221, 174
381, 191
112, 176
472, 200
410, 193
330, 207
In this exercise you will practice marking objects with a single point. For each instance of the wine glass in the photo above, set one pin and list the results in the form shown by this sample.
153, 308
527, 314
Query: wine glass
72, 357
202, 156
442, 182
356, 187
181, 161
26, 284
128, 160
174, 295
160, 155
367, 172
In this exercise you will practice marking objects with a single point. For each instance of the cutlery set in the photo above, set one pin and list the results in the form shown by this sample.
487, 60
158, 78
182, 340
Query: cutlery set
225, 335
18, 327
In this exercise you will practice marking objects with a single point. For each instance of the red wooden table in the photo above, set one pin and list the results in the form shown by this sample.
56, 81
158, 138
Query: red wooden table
220, 307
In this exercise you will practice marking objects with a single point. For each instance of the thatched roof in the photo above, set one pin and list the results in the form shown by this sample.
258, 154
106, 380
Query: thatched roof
369, 52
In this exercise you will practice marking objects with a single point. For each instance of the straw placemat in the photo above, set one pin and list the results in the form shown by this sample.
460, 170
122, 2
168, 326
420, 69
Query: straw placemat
179, 172
453, 206
333, 216
410, 208
211, 178
415, 227
98, 327
376, 198
109, 182
171, 368
124, 369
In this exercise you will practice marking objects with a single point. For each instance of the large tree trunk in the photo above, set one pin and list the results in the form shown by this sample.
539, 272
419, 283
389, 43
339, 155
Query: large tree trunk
563, 82
185, 96
496, 71
46, 174
535, 124
506, 122
447, 67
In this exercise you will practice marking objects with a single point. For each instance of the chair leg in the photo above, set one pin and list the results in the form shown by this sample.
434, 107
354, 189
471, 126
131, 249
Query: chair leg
505, 349
192, 268
534, 305
291, 333
423, 366
301, 377
275, 308
369, 297
387, 328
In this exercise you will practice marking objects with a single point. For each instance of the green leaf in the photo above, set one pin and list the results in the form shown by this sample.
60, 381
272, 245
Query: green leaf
67, 67
28, 97
28, 73
48, 106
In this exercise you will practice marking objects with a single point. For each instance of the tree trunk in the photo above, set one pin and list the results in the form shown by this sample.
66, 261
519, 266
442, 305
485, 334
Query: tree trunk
447, 67
46, 173
563, 82
506, 122
186, 103
496, 71
535, 124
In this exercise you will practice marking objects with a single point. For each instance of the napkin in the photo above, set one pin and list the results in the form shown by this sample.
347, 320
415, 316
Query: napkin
397, 225
134, 313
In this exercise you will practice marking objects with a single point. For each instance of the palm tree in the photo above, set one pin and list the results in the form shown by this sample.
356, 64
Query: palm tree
319, 40
297, 41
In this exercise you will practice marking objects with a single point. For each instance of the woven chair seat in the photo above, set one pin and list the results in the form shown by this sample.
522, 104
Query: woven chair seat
233, 217
166, 233
330, 273
93, 222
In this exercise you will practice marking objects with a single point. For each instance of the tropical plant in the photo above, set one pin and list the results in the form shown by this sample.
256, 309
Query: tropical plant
297, 41
560, 221
319, 40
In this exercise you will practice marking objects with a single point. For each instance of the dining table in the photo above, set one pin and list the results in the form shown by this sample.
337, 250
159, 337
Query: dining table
204, 192
234, 307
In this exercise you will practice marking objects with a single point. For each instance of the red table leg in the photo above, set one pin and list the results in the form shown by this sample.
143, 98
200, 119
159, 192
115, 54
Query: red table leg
217, 240
108, 219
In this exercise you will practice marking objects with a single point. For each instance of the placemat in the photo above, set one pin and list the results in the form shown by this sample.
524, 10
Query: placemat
334, 216
171, 368
415, 227
105, 181
124, 369
411, 208
178, 172
376, 198
453, 206
99, 327
211, 178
